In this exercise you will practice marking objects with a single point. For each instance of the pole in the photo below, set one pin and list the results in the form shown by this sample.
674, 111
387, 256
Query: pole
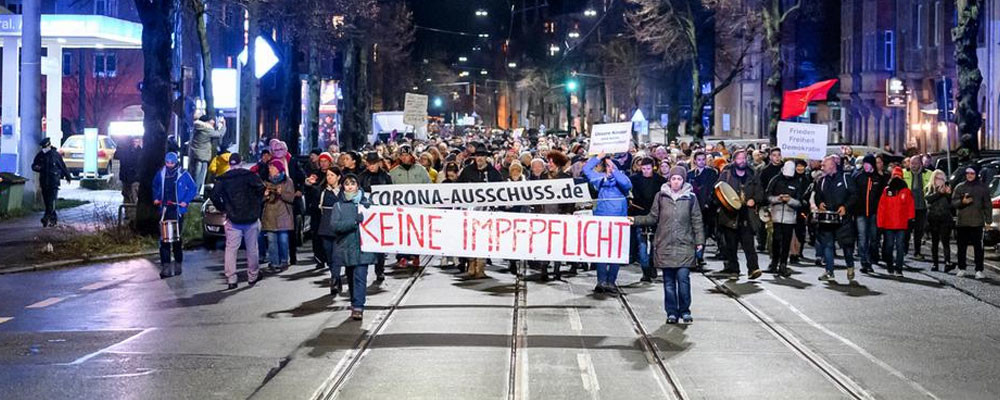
569, 115
31, 93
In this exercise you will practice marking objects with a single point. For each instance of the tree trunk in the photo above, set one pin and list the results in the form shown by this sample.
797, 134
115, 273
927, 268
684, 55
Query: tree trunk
968, 117
772, 37
697, 105
248, 87
156, 33
291, 106
206, 56
356, 97
314, 92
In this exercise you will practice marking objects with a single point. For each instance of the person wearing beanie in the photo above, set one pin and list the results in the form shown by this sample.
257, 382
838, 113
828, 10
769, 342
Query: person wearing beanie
940, 220
645, 185
51, 169
870, 186
173, 190
835, 193
895, 211
972, 200
785, 195
680, 235
738, 226
277, 220
239, 193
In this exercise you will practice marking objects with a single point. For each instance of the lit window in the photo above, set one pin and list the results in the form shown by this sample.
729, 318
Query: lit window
889, 52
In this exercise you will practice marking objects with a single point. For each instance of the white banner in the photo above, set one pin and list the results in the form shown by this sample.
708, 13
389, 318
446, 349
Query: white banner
805, 141
415, 109
610, 138
494, 194
478, 234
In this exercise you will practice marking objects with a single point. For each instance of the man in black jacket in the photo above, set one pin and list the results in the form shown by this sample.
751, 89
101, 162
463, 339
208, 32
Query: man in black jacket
480, 171
239, 193
766, 174
374, 175
869, 185
645, 185
50, 168
702, 179
738, 226
128, 170
835, 193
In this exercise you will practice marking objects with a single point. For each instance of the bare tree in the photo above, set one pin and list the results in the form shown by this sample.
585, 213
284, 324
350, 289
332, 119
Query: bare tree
773, 17
678, 30
622, 68
393, 41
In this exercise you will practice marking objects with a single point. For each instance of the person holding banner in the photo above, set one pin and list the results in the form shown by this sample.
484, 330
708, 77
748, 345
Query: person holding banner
375, 175
479, 171
613, 187
680, 234
340, 224
408, 172
556, 167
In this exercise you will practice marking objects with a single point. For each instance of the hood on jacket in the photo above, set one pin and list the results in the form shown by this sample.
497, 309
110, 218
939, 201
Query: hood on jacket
788, 170
685, 190
896, 185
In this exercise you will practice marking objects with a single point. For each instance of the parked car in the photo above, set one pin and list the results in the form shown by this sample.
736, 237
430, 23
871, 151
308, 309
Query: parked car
991, 236
213, 223
72, 153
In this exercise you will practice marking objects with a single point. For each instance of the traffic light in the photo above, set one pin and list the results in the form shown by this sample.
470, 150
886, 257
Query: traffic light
571, 85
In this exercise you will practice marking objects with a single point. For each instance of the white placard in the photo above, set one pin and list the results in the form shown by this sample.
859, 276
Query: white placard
479, 234
805, 141
415, 109
610, 138
496, 194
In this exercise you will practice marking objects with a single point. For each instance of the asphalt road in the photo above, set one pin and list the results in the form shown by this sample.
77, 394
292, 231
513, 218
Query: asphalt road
117, 331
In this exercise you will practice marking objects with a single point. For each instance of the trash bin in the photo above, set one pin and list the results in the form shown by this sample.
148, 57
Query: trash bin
11, 193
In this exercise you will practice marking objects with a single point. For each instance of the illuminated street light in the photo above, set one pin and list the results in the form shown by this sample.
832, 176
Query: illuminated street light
512, 65
484, 35
483, 72
574, 34
438, 102
482, 13
463, 73
590, 12
428, 79
553, 49
571, 85
463, 59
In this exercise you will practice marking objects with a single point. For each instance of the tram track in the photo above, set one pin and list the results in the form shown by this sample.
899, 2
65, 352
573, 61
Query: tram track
345, 368
650, 350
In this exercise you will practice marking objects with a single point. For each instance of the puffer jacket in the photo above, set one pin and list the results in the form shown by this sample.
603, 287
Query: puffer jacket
200, 147
239, 194
870, 187
977, 213
612, 191
415, 174
340, 222
781, 212
895, 208
679, 231
278, 210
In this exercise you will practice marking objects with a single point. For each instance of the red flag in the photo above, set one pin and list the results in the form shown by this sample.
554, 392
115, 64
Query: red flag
796, 101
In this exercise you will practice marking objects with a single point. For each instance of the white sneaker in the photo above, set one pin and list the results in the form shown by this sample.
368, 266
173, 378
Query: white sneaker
959, 273
980, 275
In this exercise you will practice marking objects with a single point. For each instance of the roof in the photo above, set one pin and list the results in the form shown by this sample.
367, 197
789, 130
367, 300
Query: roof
79, 31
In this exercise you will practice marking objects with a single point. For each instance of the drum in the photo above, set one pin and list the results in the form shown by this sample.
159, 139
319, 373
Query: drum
728, 196
170, 231
828, 218
764, 214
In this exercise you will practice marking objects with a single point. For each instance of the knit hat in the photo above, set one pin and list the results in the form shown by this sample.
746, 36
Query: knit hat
235, 159
171, 158
279, 165
869, 159
678, 171
897, 172
325, 156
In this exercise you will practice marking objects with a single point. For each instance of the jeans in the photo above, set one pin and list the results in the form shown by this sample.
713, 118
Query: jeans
277, 253
330, 246
176, 248
867, 231
643, 243
677, 291
236, 234
970, 236
262, 245
317, 242
895, 241
607, 273
941, 234
917, 226
359, 286
49, 196
198, 170
826, 240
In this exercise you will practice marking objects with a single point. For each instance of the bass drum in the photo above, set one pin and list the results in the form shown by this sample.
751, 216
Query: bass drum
764, 214
728, 197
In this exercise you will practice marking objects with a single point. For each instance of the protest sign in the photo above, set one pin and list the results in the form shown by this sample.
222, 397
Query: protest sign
610, 138
496, 194
480, 234
415, 109
805, 141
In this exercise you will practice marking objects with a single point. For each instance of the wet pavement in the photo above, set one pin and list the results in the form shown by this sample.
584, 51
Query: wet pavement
118, 331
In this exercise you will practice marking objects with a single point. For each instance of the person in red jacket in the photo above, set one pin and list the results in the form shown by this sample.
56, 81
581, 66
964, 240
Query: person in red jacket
895, 210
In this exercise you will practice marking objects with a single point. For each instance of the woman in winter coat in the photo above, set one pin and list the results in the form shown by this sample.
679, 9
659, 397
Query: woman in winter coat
613, 187
679, 235
342, 238
940, 217
895, 210
277, 220
784, 193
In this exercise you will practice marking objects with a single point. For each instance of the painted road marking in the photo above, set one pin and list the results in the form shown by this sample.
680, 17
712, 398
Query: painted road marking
875, 360
588, 375
5, 319
143, 371
45, 303
99, 285
574, 319
84, 359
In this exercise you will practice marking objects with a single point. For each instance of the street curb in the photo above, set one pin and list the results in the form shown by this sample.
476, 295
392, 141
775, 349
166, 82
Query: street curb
80, 261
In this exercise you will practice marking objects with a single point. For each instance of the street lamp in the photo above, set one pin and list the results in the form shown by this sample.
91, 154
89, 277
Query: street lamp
438, 102
482, 13
590, 12
574, 35
553, 49
463, 59
463, 73
484, 35
483, 72
511, 65
571, 85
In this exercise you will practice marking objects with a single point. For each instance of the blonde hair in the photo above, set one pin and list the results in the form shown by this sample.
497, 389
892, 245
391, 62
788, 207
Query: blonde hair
931, 189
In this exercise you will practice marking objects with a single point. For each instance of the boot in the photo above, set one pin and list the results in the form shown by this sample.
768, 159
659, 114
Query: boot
177, 268
165, 271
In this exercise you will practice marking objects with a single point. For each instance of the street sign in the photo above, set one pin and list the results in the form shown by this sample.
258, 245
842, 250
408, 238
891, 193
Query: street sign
945, 101
895, 93
415, 109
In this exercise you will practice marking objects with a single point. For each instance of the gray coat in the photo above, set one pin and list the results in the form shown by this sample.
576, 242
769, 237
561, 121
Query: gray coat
980, 211
679, 228
340, 223
200, 147
415, 174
